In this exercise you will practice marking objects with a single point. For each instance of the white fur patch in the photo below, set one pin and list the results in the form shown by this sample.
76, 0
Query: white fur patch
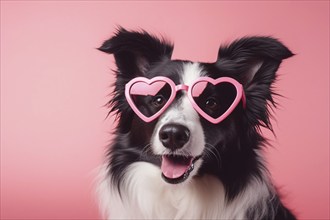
191, 72
146, 196
183, 113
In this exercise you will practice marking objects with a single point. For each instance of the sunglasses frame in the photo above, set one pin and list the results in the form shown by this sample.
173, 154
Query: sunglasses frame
189, 89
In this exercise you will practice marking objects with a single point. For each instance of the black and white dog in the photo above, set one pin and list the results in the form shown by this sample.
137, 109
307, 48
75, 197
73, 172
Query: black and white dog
188, 143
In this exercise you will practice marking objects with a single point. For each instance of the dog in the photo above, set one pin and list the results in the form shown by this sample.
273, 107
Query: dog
188, 143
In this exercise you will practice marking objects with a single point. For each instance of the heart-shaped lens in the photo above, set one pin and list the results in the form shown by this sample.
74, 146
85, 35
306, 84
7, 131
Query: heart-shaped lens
149, 97
215, 99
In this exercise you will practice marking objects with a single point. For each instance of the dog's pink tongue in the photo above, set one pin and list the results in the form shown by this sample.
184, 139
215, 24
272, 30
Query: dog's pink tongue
173, 169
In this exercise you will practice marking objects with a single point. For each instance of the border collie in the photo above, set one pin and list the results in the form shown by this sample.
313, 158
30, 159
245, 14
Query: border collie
188, 143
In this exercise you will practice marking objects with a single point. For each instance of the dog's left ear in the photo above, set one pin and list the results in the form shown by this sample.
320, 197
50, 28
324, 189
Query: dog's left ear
254, 62
135, 52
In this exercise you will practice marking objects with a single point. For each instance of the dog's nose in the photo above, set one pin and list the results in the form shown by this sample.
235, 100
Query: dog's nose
174, 136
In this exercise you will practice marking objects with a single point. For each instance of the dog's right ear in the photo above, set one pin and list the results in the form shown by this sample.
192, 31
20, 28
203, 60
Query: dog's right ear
135, 52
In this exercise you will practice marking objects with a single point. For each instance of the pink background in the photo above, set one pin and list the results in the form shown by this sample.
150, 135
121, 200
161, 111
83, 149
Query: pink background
54, 85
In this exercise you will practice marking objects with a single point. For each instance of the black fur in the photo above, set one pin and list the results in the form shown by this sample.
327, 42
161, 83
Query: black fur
253, 61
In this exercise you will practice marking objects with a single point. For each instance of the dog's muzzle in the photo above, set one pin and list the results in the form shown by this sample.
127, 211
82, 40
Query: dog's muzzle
175, 167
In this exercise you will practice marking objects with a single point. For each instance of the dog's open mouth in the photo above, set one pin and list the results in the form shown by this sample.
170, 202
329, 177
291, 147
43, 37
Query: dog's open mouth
176, 168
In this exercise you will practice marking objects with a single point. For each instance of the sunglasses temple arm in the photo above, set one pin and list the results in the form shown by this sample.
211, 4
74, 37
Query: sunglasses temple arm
243, 99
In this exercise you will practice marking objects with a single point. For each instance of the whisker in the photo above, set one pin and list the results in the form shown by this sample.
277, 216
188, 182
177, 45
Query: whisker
213, 153
145, 150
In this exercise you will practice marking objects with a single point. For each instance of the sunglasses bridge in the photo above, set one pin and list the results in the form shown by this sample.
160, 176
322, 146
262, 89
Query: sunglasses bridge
181, 87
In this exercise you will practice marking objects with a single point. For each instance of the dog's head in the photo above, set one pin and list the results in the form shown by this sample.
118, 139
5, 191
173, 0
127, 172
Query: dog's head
193, 116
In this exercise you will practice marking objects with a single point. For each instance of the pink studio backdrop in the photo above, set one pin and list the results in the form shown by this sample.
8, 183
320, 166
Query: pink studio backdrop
54, 85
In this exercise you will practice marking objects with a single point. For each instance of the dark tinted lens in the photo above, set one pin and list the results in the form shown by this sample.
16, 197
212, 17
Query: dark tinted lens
149, 99
214, 100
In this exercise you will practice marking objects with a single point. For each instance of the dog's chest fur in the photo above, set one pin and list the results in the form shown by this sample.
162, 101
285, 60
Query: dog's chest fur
145, 195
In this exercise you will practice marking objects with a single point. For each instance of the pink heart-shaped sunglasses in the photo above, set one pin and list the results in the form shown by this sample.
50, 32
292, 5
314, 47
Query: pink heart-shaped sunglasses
144, 87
